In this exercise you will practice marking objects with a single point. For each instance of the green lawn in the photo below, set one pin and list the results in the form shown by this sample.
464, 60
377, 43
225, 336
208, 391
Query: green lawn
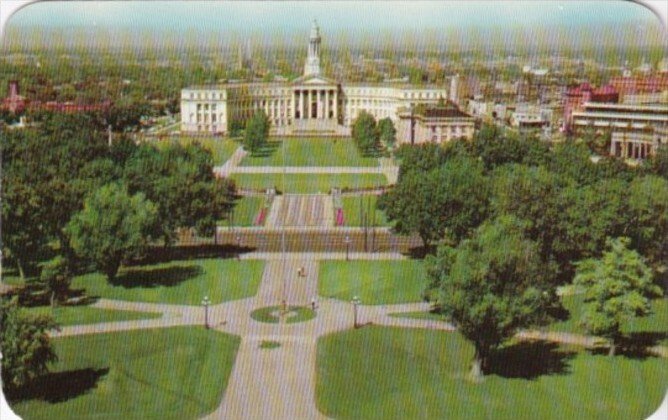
308, 183
351, 211
76, 315
374, 282
172, 373
179, 282
655, 325
246, 210
221, 148
310, 152
394, 373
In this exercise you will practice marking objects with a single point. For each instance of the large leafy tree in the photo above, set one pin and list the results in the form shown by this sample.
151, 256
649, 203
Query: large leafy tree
531, 195
589, 215
491, 285
448, 201
365, 133
180, 181
617, 288
257, 131
23, 216
26, 347
112, 227
422, 157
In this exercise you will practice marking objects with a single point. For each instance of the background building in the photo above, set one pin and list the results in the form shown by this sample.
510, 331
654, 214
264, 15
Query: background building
438, 124
309, 105
636, 130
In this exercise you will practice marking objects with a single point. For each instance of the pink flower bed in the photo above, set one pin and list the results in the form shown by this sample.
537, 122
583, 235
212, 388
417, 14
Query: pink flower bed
259, 220
339, 217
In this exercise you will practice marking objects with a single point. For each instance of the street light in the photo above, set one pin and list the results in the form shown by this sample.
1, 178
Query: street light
347, 241
206, 302
356, 301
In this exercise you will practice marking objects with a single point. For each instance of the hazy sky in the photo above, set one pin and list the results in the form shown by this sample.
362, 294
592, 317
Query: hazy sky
354, 18
334, 15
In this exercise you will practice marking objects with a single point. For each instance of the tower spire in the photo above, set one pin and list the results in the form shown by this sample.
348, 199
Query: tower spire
312, 66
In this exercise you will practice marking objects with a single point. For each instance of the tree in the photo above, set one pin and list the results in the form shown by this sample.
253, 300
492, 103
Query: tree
112, 227
56, 278
422, 157
179, 180
658, 164
588, 215
490, 286
647, 225
365, 133
617, 288
387, 132
26, 347
257, 131
23, 232
448, 201
530, 194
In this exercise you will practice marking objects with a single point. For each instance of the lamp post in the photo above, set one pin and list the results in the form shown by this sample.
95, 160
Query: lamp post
347, 241
356, 301
206, 302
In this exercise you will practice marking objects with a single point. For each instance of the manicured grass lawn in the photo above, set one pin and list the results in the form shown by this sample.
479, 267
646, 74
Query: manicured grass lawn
374, 282
76, 315
221, 148
393, 373
180, 282
310, 152
172, 373
655, 325
308, 183
351, 211
246, 210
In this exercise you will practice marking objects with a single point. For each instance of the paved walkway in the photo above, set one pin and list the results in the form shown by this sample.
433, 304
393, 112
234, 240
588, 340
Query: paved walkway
280, 383
231, 164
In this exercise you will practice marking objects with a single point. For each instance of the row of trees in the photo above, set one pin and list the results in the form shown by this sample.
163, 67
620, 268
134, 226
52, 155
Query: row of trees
66, 191
369, 135
507, 220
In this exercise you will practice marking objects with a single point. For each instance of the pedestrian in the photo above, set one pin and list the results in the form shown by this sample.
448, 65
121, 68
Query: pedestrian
313, 304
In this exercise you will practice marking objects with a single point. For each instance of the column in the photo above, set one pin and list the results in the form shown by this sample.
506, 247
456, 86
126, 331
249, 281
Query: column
301, 104
293, 106
327, 104
319, 107
336, 104
310, 103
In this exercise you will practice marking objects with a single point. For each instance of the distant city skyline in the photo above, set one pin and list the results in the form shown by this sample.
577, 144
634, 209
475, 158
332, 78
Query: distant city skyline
482, 22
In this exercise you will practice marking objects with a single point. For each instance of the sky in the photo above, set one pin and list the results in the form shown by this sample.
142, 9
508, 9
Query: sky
353, 18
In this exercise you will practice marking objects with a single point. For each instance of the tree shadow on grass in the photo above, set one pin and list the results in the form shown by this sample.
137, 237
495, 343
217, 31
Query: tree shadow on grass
529, 360
158, 255
267, 150
154, 277
58, 386
635, 345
